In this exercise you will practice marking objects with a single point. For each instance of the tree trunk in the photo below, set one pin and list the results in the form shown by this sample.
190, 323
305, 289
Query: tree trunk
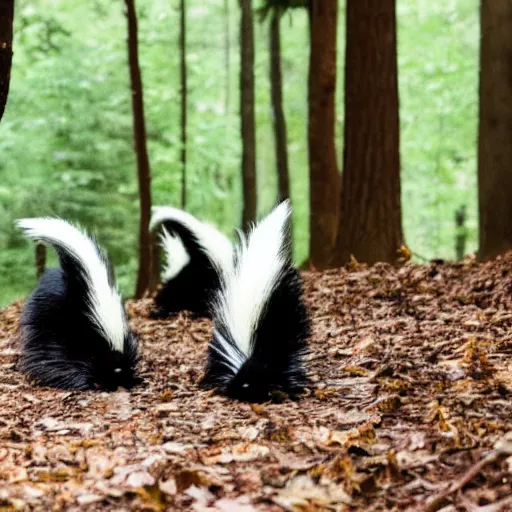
144, 173
461, 233
370, 226
323, 170
495, 129
6, 21
40, 250
278, 119
247, 114
183, 89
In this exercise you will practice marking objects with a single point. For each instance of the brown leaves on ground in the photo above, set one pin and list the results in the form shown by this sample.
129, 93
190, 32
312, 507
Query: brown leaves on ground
411, 409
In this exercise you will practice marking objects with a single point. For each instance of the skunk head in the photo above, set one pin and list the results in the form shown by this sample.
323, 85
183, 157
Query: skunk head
254, 382
114, 369
260, 321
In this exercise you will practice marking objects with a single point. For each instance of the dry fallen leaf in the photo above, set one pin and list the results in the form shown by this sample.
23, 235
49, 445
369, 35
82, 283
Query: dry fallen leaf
242, 452
301, 493
140, 479
425, 399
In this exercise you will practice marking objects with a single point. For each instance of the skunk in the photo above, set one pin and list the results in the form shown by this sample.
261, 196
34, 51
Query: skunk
197, 255
74, 329
261, 324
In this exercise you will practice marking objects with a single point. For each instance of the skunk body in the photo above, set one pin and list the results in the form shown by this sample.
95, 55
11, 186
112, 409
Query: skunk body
261, 324
74, 329
197, 255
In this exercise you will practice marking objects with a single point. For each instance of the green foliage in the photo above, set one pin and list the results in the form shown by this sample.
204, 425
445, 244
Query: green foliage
438, 65
66, 136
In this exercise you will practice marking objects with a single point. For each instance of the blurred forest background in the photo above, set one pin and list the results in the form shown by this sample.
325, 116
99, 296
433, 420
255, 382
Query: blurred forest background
66, 137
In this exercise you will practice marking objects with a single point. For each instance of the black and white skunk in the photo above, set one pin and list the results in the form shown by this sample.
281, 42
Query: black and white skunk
74, 329
261, 324
196, 254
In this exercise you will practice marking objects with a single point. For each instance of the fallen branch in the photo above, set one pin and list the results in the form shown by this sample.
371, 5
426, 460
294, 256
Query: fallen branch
493, 507
502, 448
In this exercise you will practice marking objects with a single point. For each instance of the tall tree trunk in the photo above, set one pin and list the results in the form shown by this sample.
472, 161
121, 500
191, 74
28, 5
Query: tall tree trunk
144, 172
40, 250
227, 55
370, 226
323, 171
495, 129
278, 119
6, 21
247, 114
183, 88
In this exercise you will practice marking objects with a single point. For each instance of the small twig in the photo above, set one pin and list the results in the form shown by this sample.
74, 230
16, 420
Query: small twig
493, 507
432, 357
436, 501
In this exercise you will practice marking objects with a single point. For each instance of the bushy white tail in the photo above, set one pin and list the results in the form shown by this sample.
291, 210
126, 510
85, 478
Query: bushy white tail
102, 298
176, 255
214, 243
261, 259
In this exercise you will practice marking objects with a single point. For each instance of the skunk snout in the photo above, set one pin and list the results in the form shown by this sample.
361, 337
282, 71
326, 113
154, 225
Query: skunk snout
117, 377
253, 383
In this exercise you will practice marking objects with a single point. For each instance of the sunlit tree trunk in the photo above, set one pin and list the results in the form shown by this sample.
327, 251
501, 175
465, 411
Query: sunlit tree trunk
6, 21
247, 114
370, 226
323, 170
495, 129
278, 118
144, 172
183, 89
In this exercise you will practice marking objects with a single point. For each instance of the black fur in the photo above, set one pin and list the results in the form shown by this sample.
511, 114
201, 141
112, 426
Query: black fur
279, 344
192, 289
60, 346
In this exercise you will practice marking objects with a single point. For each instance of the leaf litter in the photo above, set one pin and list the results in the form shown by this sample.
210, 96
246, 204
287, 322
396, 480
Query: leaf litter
410, 408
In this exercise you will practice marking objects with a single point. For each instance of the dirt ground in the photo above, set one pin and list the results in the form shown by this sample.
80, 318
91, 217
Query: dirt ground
411, 409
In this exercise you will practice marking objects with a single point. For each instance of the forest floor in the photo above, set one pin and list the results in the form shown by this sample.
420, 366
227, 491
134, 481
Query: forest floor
411, 409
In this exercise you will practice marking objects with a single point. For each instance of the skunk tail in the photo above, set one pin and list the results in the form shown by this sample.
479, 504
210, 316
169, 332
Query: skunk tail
176, 255
260, 322
198, 239
88, 273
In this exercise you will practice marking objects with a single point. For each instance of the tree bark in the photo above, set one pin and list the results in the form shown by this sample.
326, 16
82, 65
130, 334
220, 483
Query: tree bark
278, 118
247, 114
144, 172
495, 129
40, 251
323, 171
6, 22
183, 89
370, 226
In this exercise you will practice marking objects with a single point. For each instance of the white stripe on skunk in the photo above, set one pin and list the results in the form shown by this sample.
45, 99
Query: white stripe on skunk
176, 256
260, 322
261, 263
213, 242
103, 299
197, 254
